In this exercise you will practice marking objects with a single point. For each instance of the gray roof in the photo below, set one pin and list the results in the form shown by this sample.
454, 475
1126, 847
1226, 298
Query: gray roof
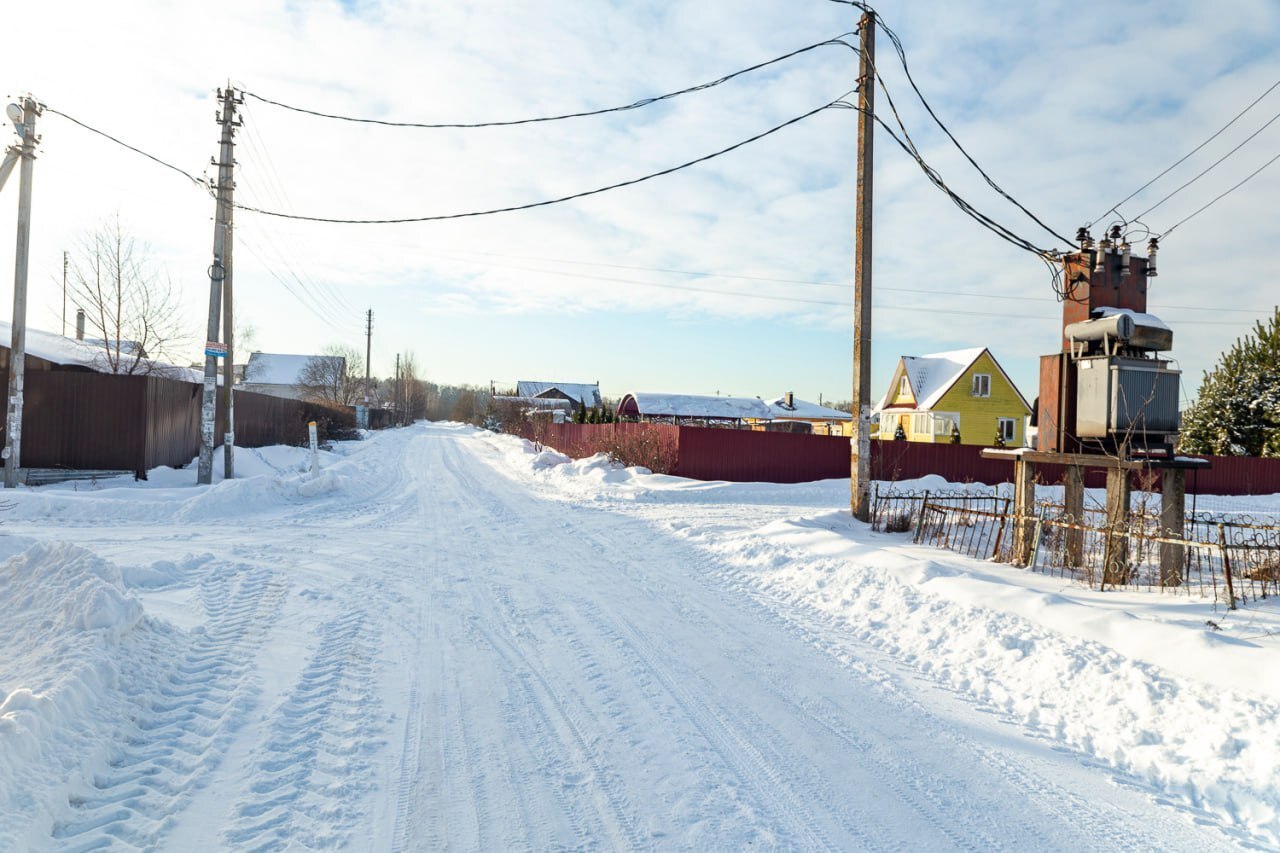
586, 393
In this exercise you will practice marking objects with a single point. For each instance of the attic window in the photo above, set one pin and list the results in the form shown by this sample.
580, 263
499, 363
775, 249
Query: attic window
981, 385
904, 388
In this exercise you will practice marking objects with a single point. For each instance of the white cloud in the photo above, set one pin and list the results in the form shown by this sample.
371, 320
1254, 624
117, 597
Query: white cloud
1069, 105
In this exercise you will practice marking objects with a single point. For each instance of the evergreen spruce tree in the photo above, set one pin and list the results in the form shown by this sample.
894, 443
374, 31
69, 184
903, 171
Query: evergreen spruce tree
1237, 412
580, 417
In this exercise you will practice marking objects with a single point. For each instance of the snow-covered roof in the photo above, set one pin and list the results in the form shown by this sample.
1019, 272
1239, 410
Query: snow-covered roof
271, 368
695, 406
55, 349
587, 393
931, 375
549, 403
1139, 318
67, 352
803, 410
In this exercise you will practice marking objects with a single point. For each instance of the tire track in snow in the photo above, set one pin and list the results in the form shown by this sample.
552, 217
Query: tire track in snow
449, 775
182, 727
579, 781
1097, 822
316, 762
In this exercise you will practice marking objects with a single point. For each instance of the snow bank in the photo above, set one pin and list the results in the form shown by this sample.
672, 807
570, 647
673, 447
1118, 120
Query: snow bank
1173, 728
72, 637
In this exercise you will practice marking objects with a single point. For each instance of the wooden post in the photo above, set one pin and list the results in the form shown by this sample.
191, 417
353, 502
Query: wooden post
1115, 571
1024, 508
1173, 499
1073, 499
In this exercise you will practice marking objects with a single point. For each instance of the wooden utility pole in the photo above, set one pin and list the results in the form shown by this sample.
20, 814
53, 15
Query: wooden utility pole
26, 152
860, 469
219, 271
395, 407
64, 292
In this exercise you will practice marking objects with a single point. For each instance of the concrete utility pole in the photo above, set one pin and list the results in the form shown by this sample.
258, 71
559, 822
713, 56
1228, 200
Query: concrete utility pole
395, 406
228, 333
860, 469
26, 114
368, 353
219, 271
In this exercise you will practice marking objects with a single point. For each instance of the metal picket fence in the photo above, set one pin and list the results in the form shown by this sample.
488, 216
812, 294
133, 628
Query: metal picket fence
1229, 557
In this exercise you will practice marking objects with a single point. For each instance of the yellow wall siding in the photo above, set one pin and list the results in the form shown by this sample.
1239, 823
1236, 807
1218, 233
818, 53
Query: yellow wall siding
979, 415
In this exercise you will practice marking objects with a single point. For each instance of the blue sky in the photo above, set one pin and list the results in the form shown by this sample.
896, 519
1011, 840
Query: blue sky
1070, 106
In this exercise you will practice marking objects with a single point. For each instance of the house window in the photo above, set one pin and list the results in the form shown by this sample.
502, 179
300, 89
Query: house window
943, 422
1006, 428
982, 385
920, 424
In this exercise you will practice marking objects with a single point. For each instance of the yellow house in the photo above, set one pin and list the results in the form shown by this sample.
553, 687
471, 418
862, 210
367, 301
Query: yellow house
932, 397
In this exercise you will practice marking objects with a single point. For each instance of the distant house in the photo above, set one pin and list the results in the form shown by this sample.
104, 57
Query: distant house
933, 397
693, 409
284, 375
791, 414
577, 393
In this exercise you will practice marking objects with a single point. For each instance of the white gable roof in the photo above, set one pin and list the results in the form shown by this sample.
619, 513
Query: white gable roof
930, 376
586, 393
804, 410
698, 406
270, 368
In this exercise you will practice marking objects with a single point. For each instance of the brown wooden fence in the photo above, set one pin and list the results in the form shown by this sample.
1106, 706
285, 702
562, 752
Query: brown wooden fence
704, 453
99, 421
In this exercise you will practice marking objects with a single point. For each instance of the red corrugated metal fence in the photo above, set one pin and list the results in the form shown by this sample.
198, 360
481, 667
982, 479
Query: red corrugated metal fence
704, 453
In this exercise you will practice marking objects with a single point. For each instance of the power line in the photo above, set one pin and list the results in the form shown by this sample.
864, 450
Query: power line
643, 102
454, 256
1212, 166
1183, 158
201, 182
1228, 192
310, 306
801, 300
905, 143
902, 58
546, 202
275, 186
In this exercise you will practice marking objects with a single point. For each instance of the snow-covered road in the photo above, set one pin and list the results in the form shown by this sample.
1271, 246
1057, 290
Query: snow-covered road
427, 648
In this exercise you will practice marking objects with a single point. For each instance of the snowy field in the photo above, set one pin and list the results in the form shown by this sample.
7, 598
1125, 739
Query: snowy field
448, 640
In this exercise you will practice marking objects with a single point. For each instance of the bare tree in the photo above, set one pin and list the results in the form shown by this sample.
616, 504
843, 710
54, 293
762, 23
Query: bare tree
413, 389
131, 310
335, 376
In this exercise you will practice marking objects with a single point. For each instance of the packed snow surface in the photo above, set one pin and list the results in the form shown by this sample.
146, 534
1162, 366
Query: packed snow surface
451, 639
